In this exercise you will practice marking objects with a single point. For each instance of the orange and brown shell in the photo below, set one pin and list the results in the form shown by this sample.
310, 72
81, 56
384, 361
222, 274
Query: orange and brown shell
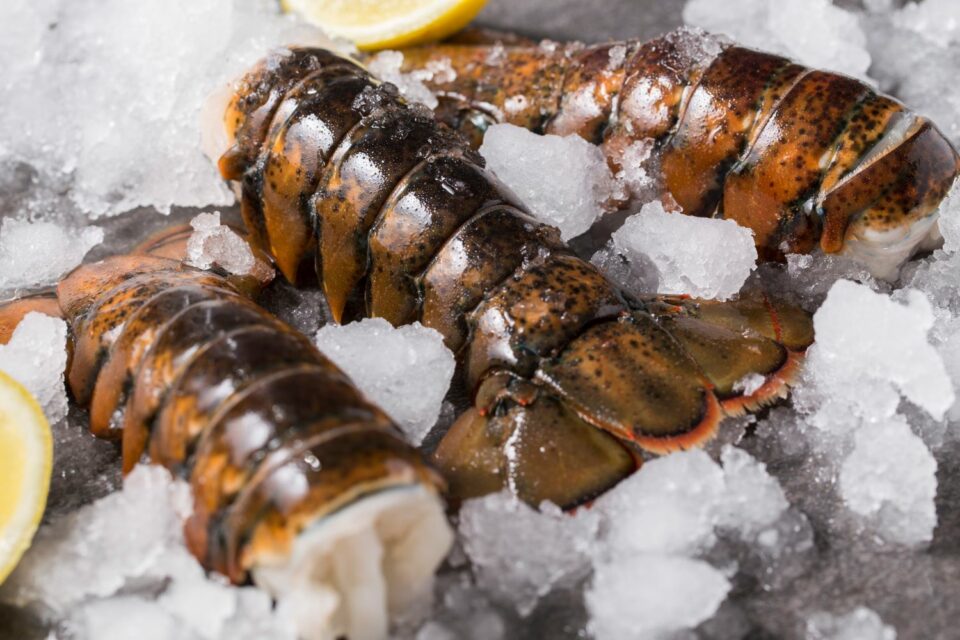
570, 381
804, 158
187, 372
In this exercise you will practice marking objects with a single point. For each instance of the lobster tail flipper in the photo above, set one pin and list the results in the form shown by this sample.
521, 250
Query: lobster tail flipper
541, 450
633, 379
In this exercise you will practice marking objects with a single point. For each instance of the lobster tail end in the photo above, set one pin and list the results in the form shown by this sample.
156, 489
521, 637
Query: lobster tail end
534, 445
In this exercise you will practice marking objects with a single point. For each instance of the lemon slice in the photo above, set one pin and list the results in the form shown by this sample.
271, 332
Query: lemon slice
26, 457
387, 24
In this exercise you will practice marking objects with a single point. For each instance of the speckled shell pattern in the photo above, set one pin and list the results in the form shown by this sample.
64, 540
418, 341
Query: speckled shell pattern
794, 154
182, 368
403, 222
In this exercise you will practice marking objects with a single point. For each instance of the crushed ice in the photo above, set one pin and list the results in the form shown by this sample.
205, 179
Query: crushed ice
506, 541
36, 357
815, 32
662, 523
34, 254
386, 65
564, 180
103, 98
213, 244
679, 254
860, 624
119, 567
873, 414
872, 352
405, 370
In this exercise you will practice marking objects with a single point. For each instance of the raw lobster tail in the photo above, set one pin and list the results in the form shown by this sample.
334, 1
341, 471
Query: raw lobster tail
567, 376
804, 158
296, 476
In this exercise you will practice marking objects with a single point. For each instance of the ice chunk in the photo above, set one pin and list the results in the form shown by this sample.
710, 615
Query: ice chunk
636, 177
565, 181
870, 342
648, 596
890, 480
949, 219
860, 624
214, 244
814, 32
34, 254
36, 356
749, 384
134, 77
872, 350
702, 257
754, 499
386, 66
579, 108
618, 55
519, 553
404, 370
668, 506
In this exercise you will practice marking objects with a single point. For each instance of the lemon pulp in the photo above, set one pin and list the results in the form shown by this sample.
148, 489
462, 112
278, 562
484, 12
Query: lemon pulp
26, 456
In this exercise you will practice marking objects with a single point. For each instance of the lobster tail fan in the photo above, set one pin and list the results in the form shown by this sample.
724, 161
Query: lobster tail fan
757, 313
540, 450
633, 379
747, 370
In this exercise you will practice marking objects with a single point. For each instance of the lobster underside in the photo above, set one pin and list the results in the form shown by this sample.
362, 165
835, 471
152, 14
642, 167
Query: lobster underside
298, 481
804, 158
570, 380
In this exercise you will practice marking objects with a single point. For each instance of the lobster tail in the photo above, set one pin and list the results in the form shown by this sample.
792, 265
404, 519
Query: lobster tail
292, 469
570, 381
804, 158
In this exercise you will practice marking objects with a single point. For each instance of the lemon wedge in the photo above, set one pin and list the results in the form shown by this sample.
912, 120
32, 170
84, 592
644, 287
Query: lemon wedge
26, 458
387, 24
